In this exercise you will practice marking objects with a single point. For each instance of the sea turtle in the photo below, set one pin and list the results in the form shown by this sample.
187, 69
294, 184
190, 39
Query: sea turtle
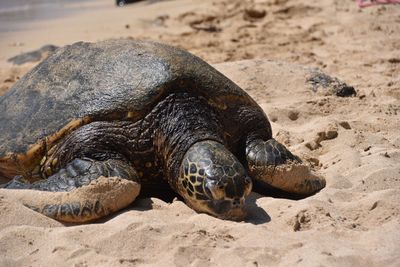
142, 115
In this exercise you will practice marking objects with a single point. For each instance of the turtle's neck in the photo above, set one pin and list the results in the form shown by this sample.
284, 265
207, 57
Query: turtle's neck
183, 120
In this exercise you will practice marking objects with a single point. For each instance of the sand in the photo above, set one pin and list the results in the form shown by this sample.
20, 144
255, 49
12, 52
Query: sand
354, 221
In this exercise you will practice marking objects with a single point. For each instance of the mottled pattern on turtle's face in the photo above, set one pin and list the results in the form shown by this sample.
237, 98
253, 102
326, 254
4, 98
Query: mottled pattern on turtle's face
212, 180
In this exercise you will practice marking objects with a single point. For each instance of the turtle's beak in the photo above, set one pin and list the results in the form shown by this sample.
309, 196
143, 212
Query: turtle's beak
228, 209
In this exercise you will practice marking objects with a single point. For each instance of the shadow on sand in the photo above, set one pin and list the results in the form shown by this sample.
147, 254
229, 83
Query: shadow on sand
255, 214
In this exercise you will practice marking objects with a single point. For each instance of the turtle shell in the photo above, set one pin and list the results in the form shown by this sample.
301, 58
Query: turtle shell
114, 79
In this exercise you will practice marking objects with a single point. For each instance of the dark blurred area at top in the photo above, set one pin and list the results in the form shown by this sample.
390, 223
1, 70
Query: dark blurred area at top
15, 13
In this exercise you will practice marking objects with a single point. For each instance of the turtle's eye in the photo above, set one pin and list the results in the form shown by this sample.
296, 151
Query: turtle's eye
217, 189
248, 183
222, 185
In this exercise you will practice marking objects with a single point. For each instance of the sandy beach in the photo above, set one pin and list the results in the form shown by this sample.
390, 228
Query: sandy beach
267, 47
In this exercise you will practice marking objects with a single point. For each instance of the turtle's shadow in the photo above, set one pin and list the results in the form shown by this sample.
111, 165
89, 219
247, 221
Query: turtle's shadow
255, 214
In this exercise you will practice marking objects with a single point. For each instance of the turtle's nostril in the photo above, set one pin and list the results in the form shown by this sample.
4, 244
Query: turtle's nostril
236, 203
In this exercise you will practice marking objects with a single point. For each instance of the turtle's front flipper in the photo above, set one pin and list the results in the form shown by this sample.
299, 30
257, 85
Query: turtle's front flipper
272, 163
82, 191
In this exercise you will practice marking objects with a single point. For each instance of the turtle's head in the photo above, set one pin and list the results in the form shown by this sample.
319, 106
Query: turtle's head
213, 181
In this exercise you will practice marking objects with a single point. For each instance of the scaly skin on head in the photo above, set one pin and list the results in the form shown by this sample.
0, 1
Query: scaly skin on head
212, 180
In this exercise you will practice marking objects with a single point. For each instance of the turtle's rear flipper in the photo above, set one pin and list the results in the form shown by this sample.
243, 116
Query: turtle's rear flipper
272, 163
84, 190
